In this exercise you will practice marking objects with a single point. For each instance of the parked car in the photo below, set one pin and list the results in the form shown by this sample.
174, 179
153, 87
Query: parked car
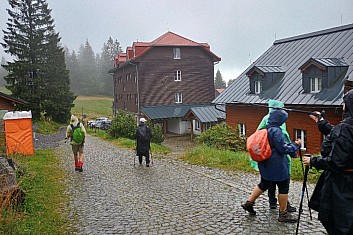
105, 125
98, 122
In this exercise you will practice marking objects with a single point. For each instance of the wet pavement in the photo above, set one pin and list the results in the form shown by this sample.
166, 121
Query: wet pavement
112, 196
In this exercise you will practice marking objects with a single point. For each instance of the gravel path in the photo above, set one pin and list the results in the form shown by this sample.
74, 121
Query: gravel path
111, 196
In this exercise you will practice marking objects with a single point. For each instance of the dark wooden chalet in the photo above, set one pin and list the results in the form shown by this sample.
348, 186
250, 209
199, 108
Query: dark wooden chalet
307, 72
170, 70
8, 102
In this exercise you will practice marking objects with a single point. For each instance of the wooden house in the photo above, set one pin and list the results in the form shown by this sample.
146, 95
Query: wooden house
169, 71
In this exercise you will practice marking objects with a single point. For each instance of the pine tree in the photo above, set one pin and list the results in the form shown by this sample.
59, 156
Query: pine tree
109, 51
88, 70
2, 72
38, 73
219, 82
230, 81
73, 67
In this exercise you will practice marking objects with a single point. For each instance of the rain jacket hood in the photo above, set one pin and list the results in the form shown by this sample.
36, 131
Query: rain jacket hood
277, 118
348, 100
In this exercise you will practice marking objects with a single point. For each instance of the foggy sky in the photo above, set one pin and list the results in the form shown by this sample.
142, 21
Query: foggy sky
238, 31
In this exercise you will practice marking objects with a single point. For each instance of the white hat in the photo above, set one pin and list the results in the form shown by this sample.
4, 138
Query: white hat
142, 120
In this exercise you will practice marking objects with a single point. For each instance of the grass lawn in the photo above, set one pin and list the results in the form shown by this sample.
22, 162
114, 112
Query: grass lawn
44, 209
238, 161
93, 107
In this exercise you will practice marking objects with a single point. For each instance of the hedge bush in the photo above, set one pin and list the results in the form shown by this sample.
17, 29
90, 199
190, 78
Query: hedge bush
223, 137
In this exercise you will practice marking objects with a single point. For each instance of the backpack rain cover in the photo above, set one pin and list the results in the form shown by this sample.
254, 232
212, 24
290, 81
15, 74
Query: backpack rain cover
258, 145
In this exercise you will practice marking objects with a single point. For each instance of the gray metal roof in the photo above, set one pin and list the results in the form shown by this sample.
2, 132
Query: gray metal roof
270, 69
208, 114
331, 61
291, 53
168, 111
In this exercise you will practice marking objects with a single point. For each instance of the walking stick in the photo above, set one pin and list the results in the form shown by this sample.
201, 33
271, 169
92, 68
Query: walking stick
307, 193
302, 198
151, 154
135, 152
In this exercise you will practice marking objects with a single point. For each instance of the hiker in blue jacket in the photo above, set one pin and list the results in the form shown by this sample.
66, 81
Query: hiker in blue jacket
273, 105
275, 170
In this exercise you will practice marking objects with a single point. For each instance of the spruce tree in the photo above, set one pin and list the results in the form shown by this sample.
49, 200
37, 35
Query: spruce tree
110, 50
219, 82
2, 72
38, 73
73, 67
88, 70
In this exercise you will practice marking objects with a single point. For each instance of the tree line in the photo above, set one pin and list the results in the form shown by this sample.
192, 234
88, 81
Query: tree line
89, 71
43, 73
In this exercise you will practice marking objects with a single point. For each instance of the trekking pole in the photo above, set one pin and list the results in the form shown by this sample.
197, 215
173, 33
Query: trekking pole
151, 154
302, 197
307, 193
135, 152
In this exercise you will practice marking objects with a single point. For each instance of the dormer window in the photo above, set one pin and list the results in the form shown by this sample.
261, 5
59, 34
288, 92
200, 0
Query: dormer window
258, 87
263, 77
321, 73
315, 85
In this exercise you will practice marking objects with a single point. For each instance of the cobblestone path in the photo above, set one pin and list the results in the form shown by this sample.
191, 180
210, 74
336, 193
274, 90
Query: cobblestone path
111, 196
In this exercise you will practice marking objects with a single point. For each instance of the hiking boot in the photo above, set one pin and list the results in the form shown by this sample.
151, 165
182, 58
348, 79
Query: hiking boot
286, 217
291, 208
249, 206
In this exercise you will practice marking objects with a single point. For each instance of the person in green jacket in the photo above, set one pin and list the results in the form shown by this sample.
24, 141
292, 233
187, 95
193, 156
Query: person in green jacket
272, 105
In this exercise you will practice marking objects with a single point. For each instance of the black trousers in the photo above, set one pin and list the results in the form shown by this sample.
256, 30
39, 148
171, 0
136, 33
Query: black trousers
147, 156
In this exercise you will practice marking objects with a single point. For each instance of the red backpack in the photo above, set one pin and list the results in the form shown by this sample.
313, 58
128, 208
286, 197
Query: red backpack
258, 145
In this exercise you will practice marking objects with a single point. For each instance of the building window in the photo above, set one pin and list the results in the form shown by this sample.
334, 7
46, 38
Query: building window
177, 75
301, 134
136, 100
124, 88
177, 54
125, 106
315, 85
197, 125
241, 128
135, 78
258, 87
178, 98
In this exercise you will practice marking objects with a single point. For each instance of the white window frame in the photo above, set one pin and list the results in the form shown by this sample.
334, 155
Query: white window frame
242, 129
177, 75
258, 87
177, 53
178, 98
301, 134
315, 85
197, 125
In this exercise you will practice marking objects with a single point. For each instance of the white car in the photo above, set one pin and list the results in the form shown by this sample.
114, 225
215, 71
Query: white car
98, 122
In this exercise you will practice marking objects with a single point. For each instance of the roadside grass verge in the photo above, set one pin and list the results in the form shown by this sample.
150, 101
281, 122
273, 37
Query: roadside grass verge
127, 143
237, 161
43, 211
47, 127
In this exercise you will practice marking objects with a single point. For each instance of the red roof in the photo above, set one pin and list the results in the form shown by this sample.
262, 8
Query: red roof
167, 39
172, 39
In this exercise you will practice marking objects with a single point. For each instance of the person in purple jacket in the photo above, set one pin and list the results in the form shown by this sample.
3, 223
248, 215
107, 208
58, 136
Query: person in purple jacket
275, 169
